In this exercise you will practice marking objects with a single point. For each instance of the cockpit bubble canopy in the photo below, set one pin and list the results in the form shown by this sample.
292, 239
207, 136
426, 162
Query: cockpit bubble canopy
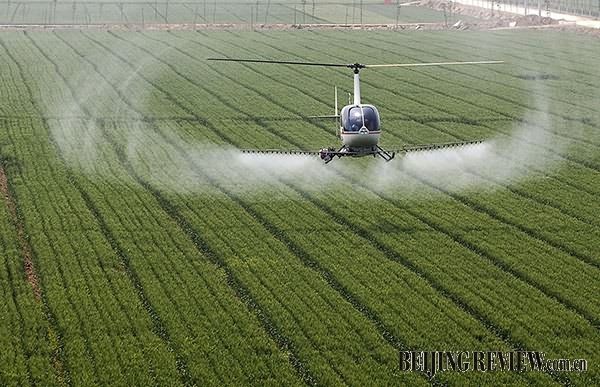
355, 117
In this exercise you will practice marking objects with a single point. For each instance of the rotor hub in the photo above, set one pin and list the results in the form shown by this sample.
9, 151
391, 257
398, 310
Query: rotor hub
356, 67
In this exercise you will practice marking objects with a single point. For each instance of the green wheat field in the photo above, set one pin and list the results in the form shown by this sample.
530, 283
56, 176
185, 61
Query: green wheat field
138, 246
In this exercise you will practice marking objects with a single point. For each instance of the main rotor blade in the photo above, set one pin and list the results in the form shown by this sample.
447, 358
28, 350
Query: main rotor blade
280, 62
434, 64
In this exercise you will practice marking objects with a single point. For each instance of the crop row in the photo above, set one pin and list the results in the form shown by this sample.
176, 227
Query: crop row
85, 288
26, 356
359, 272
558, 206
280, 310
563, 207
172, 296
324, 300
522, 74
576, 127
185, 288
408, 108
84, 281
577, 216
470, 81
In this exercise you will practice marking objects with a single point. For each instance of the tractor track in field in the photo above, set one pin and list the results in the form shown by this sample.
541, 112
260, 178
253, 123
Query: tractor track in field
455, 299
587, 164
584, 120
592, 319
492, 95
460, 48
203, 247
373, 240
532, 197
566, 211
590, 165
182, 318
25, 249
300, 253
154, 317
97, 71
554, 244
230, 140
409, 117
410, 45
520, 192
459, 240
294, 249
542, 64
88, 349
304, 257
158, 327
88, 278
55, 334
515, 118
390, 254
559, 208
562, 180
560, 52
10, 276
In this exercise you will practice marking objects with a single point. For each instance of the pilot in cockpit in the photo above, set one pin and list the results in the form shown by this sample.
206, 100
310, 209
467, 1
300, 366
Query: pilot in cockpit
358, 116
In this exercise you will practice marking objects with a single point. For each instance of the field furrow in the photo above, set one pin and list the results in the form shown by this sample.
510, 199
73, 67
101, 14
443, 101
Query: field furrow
75, 310
339, 372
593, 315
140, 246
569, 212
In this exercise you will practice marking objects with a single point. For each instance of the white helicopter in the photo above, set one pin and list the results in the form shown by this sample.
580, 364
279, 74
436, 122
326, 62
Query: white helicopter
360, 127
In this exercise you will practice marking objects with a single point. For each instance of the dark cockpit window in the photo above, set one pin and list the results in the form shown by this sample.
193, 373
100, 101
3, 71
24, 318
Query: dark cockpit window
371, 118
354, 121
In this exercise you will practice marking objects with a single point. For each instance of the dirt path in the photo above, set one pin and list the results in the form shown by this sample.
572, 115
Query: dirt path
23, 243
213, 26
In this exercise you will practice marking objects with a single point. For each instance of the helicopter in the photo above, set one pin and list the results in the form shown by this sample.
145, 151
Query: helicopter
358, 124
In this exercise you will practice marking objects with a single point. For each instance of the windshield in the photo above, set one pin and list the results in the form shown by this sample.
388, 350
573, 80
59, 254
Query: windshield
354, 120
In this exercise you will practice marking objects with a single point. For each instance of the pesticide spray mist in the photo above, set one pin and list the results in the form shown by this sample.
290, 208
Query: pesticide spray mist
528, 150
182, 163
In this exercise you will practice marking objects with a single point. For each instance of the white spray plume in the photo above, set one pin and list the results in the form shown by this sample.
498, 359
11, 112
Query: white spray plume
529, 150
183, 165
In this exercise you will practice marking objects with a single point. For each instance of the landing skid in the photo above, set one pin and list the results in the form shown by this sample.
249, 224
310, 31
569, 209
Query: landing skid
328, 154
